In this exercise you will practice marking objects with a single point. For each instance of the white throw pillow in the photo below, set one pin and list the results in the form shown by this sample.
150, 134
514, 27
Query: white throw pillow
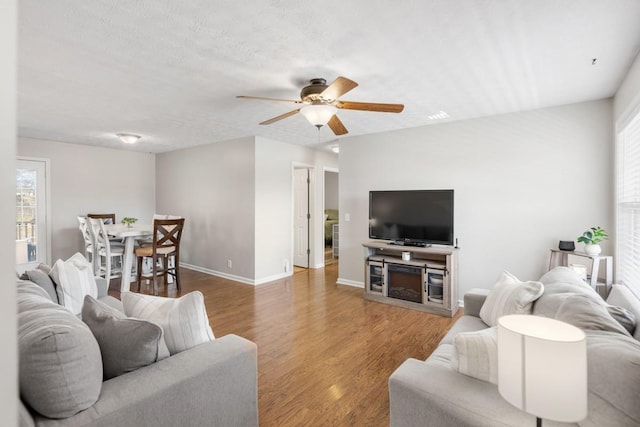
74, 279
184, 320
476, 354
509, 296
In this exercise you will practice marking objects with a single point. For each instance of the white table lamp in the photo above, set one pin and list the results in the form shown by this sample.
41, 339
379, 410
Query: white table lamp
542, 367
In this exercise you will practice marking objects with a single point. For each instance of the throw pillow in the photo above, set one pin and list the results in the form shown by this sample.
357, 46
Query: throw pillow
184, 320
624, 317
126, 344
42, 279
509, 296
476, 354
60, 366
588, 314
74, 279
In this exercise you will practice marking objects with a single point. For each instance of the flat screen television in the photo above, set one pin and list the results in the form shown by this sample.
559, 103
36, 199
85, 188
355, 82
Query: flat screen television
412, 217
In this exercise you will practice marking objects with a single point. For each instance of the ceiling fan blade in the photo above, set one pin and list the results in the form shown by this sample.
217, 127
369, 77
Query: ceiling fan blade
336, 126
262, 98
339, 87
280, 117
370, 106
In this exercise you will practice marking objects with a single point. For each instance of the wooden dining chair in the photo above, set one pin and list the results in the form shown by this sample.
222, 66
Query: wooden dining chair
106, 251
164, 246
107, 218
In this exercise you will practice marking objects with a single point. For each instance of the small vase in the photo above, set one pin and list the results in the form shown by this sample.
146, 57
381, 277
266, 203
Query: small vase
592, 249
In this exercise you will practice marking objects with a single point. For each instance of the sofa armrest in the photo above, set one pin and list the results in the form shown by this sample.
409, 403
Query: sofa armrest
473, 301
213, 384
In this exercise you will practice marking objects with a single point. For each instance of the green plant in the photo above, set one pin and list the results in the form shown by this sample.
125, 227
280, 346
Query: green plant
593, 236
128, 220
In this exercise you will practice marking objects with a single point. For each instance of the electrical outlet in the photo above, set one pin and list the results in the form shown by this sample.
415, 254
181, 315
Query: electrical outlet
286, 265
229, 264
347, 217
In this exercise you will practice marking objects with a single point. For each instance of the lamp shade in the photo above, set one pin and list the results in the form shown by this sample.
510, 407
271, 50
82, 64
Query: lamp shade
542, 367
318, 114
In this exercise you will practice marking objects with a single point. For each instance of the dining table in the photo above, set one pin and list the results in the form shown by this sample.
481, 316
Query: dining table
130, 234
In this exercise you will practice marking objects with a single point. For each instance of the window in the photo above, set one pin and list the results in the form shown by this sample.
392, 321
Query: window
32, 245
628, 205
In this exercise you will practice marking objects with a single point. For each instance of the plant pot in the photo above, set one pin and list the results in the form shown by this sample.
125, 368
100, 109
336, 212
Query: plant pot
592, 249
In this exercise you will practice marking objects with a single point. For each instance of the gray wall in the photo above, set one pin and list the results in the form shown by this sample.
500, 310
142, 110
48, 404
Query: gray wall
212, 186
522, 182
331, 190
8, 325
86, 179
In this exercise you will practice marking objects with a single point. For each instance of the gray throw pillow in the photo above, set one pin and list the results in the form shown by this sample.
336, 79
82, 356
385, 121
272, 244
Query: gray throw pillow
42, 279
60, 366
588, 314
624, 317
126, 343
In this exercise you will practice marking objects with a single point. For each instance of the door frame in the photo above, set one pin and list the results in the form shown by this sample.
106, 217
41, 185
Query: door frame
47, 200
312, 210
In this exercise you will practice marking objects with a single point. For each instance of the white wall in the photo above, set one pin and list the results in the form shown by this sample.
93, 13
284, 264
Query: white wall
627, 99
87, 179
522, 182
331, 190
8, 325
212, 186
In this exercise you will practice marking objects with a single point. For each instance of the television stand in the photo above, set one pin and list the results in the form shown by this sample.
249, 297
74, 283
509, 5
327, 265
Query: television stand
409, 243
420, 278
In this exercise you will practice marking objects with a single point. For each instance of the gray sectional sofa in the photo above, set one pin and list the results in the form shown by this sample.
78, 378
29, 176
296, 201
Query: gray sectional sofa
212, 384
434, 393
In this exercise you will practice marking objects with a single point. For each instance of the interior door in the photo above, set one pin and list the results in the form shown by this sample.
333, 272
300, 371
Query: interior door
31, 214
301, 217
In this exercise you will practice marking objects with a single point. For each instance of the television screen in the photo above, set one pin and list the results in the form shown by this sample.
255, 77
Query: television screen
412, 216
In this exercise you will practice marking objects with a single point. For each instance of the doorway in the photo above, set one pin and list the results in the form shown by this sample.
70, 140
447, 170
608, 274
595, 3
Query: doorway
32, 213
331, 217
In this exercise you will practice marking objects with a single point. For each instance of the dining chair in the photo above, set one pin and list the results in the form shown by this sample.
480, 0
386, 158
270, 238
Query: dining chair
89, 244
107, 218
106, 251
165, 245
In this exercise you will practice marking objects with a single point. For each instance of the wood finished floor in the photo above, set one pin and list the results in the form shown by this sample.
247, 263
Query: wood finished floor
324, 353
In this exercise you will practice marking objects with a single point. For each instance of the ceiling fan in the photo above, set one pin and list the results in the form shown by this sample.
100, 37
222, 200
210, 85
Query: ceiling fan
320, 103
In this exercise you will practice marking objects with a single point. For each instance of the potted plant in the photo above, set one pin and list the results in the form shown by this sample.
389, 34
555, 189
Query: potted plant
591, 238
129, 221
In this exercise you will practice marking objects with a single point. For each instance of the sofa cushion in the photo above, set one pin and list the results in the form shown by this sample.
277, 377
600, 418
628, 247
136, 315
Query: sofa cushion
509, 296
74, 279
126, 344
476, 354
613, 365
184, 320
60, 365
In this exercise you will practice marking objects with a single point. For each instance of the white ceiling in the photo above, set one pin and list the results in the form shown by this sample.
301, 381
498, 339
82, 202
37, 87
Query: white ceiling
170, 70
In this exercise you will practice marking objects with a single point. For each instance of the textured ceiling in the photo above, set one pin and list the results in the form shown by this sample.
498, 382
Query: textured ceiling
170, 70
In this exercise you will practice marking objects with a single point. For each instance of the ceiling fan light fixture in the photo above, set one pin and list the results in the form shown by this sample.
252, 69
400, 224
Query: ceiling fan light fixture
318, 114
335, 148
128, 138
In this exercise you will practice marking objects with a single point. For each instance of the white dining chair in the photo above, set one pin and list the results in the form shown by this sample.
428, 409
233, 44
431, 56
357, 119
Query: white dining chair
106, 251
89, 244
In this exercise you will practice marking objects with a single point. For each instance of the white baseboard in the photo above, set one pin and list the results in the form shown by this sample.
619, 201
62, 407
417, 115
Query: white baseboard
272, 278
218, 274
348, 282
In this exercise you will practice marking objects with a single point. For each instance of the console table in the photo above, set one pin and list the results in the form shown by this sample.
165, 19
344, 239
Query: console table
420, 278
561, 258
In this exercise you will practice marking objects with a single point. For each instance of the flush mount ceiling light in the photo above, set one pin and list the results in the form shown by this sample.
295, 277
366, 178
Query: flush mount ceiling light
128, 138
318, 114
439, 116
335, 149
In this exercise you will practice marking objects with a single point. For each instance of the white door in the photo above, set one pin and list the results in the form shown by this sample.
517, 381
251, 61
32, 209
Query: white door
31, 214
301, 217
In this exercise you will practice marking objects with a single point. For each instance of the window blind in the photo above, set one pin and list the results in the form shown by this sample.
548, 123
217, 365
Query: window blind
628, 205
